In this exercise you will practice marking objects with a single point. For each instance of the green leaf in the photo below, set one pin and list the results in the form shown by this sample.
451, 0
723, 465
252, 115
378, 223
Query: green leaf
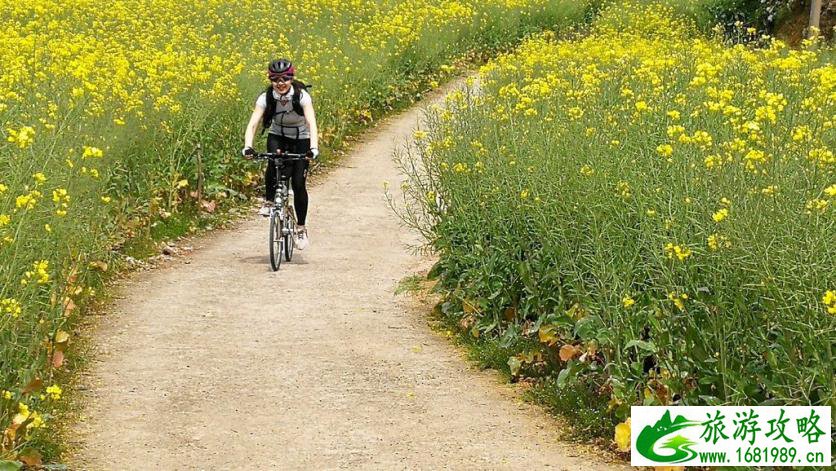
770, 357
710, 400
708, 380
562, 377
514, 364
10, 465
642, 345
510, 336
698, 352
588, 327
525, 275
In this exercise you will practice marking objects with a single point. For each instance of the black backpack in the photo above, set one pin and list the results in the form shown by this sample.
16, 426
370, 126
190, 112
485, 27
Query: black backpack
295, 101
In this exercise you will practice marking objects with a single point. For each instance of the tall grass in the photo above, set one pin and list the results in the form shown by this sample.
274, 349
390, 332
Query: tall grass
653, 208
764, 15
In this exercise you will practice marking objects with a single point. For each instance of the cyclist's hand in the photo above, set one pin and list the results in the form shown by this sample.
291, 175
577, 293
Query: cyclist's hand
313, 153
248, 152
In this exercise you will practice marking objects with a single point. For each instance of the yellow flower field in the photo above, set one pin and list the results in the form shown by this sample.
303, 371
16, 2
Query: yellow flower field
655, 203
122, 122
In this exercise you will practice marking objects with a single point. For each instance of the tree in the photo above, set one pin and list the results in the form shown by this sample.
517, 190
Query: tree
815, 16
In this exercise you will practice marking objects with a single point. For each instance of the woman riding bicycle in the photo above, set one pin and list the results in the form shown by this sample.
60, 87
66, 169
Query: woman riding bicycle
288, 115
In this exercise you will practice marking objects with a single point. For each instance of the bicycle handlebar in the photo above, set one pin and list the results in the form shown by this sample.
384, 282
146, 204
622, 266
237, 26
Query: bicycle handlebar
283, 156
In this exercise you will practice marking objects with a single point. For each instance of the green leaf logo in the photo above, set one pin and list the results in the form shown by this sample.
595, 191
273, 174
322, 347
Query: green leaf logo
680, 445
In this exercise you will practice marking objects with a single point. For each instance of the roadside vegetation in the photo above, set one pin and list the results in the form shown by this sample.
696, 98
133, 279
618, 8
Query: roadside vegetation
641, 216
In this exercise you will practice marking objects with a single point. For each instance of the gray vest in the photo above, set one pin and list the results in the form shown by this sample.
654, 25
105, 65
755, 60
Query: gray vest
286, 122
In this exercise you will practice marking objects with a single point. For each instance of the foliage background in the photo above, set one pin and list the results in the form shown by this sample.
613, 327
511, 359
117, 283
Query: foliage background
122, 123
641, 216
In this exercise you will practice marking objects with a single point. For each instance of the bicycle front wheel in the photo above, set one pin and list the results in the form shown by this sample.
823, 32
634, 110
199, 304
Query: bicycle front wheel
275, 240
290, 231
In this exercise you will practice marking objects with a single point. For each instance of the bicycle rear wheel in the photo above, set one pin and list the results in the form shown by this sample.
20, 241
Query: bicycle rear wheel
290, 231
275, 240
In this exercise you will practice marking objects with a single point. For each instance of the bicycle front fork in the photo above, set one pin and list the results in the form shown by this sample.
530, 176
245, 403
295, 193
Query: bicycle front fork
284, 205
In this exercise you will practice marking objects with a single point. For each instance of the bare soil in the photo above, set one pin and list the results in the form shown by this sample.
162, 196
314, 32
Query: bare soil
214, 362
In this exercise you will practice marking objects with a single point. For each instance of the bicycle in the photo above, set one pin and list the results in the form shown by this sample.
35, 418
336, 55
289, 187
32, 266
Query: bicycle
282, 214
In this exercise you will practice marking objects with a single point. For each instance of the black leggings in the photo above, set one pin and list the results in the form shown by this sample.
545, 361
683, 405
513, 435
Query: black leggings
298, 171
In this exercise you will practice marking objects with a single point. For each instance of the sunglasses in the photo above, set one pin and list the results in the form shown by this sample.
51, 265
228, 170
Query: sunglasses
282, 79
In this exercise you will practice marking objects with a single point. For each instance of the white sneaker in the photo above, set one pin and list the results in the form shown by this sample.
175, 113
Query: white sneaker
301, 240
265, 209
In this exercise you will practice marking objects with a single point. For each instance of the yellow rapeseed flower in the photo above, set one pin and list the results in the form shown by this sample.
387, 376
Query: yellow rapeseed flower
622, 436
22, 415
39, 273
822, 156
575, 113
587, 171
720, 215
54, 392
22, 137
27, 201
829, 300
665, 150
816, 205
802, 133
91, 152
754, 158
37, 420
674, 251
10, 306
718, 241
678, 299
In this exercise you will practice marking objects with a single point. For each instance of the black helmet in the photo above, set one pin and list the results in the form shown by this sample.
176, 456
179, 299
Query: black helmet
281, 67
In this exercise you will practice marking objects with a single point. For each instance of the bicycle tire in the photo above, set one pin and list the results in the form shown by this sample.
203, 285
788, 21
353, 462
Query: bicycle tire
290, 225
275, 240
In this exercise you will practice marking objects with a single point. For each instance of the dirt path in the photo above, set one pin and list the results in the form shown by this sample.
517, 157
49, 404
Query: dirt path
220, 364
